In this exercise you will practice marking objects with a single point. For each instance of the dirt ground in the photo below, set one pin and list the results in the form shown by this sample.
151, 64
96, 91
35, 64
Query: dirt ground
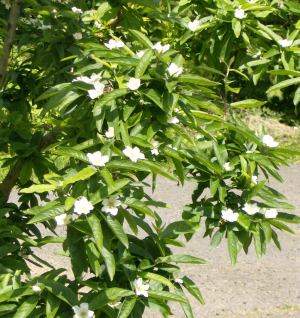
270, 288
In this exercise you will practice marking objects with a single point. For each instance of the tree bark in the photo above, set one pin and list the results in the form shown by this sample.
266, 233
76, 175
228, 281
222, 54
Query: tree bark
9, 41
12, 176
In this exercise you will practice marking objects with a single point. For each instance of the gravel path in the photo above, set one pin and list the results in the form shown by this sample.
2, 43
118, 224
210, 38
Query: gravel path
270, 288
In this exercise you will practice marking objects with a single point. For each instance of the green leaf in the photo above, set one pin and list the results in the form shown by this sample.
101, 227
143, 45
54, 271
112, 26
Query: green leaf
39, 188
158, 169
69, 152
157, 304
155, 277
47, 214
283, 84
109, 260
216, 239
267, 230
127, 164
105, 191
186, 307
107, 177
180, 227
248, 103
116, 228
232, 241
167, 296
258, 243
27, 307
107, 98
127, 307
8, 248
179, 169
143, 63
61, 100
139, 205
130, 220
61, 291
95, 225
15, 293
289, 218
26, 172
195, 79
255, 190
81, 175
141, 37
156, 97
14, 264
53, 90
214, 183
125, 135
236, 27
281, 226
145, 3
193, 289
103, 297
181, 258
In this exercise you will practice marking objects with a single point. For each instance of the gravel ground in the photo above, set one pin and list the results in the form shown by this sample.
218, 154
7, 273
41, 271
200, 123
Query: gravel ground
270, 288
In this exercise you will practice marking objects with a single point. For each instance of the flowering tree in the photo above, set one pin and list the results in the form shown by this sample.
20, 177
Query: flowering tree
97, 97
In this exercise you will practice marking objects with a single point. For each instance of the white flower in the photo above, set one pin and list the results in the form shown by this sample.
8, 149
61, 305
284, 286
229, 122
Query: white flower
97, 159
251, 1
110, 133
102, 269
115, 303
77, 36
63, 219
199, 136
269, 141
83, 206
97, 24
295, 128
174, 70
172, 120
36, 289
271, 213
95, 78
251, 208
256, 54
176, 110
83, 311
240, 14
155, 144
177, 277
99, 89
112, 44
134, 83
128, 44
229, 216
285, 43
110, 205
44, 27
6, 3
170, 146
227, 167
160, 48
249, 151
193, 25
254, 179
133, 153
76, 10
140, 54
140, 289
82, 79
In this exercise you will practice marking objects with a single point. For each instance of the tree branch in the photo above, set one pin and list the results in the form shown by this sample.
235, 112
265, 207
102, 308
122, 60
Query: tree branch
12, 176
9, 41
